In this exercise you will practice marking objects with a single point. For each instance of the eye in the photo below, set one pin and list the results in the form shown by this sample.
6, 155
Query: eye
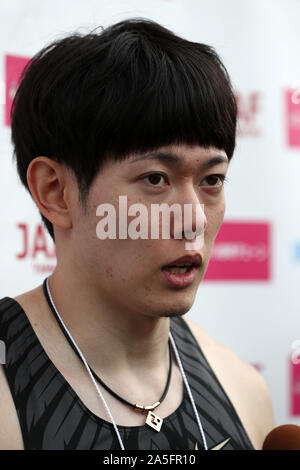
213, 178
155, 178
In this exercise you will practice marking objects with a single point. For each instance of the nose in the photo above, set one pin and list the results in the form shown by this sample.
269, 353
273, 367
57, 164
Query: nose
190, 223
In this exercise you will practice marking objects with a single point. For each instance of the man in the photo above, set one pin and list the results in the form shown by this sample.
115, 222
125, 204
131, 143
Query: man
138, 112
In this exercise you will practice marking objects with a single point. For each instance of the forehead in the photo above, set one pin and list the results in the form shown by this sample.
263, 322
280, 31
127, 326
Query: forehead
180, 156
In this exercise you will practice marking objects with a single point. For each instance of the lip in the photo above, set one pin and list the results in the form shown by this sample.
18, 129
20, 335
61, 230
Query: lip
186, 279
195, 259
181, 280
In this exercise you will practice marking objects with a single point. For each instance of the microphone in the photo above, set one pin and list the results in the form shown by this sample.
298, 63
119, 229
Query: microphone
285, 437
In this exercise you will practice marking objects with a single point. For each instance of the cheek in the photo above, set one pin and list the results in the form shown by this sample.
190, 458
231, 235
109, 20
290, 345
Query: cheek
121, 259
220, 213
215, 218
109, 273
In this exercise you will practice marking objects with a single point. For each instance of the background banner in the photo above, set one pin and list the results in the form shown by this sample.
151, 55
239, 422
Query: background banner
249, 298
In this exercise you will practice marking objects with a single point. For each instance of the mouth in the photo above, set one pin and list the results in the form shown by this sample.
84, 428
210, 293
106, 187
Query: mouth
183, 271
184, 264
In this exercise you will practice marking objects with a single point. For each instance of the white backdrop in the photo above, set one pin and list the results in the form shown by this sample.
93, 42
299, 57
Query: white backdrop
256, 315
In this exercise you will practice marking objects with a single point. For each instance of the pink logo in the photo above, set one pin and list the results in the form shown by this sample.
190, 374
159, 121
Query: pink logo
35, 244
241, 252
248, 112
292, 103
295, 388
13, 69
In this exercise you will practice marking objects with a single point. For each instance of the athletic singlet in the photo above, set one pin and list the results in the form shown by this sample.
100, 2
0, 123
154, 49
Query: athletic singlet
52, 416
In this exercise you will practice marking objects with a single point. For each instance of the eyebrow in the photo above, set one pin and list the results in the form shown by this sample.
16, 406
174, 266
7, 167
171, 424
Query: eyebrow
175, 160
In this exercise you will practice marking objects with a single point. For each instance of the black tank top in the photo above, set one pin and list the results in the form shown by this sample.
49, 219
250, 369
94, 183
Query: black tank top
52, 416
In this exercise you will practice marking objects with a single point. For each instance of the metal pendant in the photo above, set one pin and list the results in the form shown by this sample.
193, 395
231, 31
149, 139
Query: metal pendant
154, 421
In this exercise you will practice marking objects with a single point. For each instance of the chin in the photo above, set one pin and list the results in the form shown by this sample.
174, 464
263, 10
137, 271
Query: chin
172, 315
174, 312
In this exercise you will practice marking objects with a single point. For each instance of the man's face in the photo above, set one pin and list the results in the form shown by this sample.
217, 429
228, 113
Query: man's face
127, 273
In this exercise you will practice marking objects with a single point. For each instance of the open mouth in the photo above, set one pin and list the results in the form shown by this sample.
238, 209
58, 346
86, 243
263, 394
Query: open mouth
181, 275
184, 264
179, 269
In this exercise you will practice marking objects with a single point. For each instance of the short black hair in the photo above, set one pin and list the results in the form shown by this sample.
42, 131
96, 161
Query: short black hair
129, 88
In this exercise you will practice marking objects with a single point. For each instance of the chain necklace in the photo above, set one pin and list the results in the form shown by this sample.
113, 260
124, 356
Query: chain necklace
152, 420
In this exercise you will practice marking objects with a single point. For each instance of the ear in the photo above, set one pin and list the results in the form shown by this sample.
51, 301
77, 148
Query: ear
49, 183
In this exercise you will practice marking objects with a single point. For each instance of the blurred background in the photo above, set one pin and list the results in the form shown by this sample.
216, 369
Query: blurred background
249, 299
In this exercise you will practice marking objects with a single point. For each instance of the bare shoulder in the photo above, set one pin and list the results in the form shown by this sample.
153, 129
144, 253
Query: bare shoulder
10, 432
32, 302
30, 297
242, 382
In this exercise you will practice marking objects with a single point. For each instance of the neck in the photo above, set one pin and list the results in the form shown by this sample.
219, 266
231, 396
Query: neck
113, 338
